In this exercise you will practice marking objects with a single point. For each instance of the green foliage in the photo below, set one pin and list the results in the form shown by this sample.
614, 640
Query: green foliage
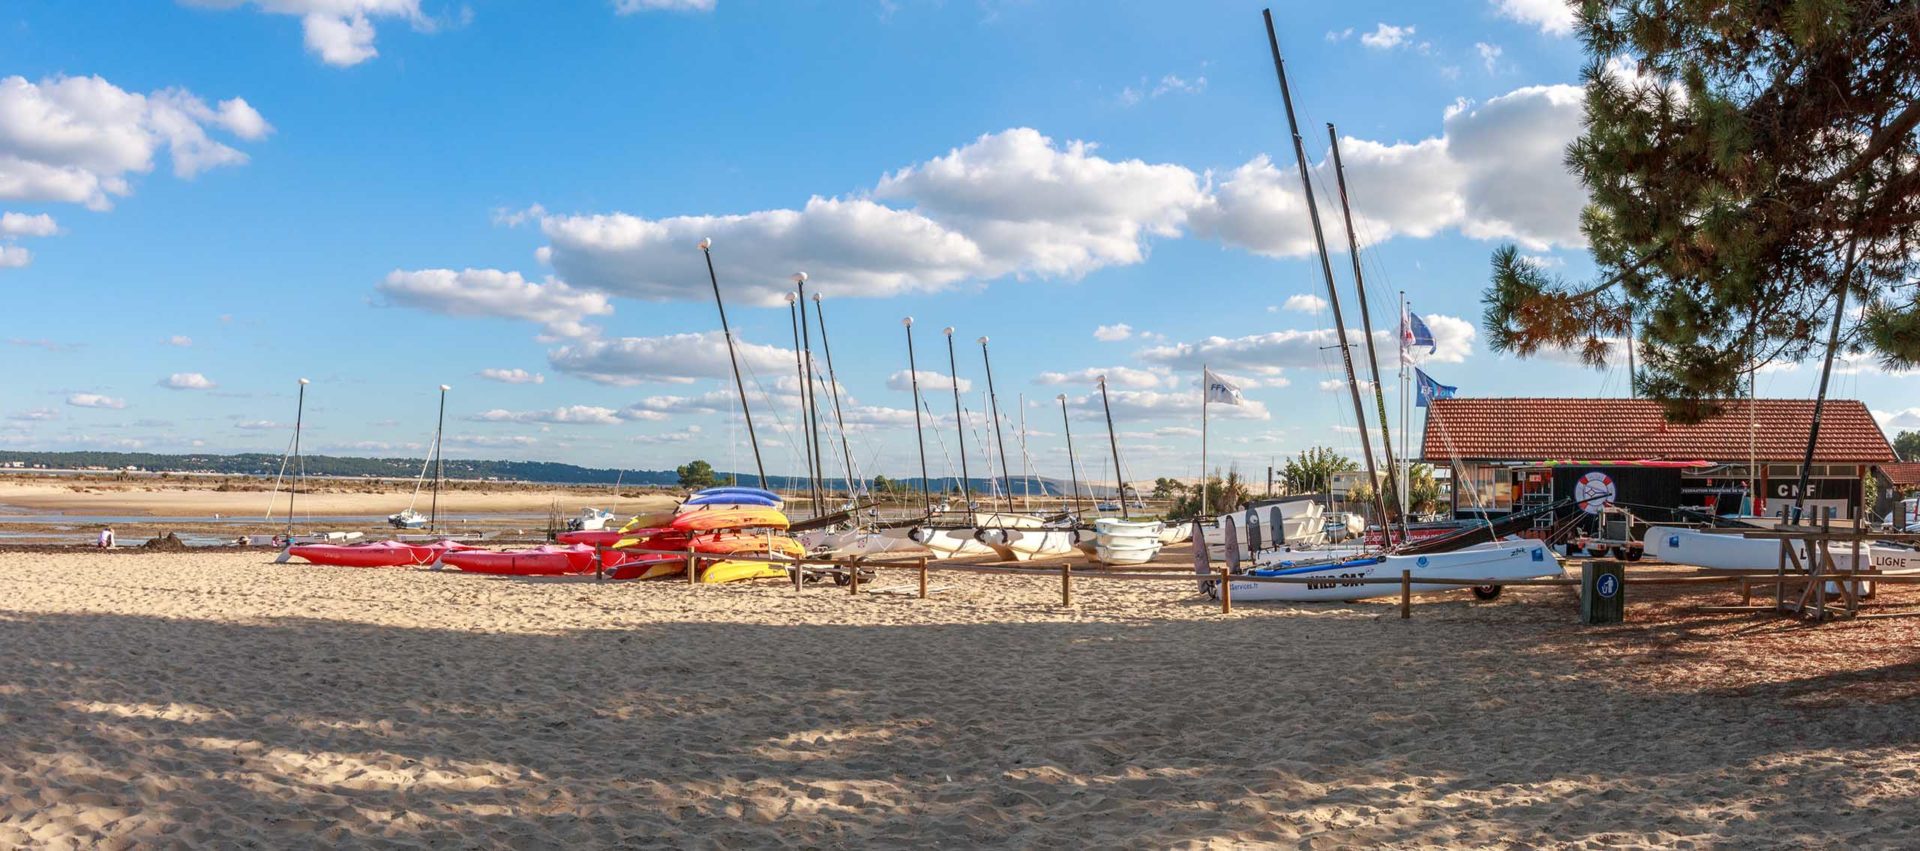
695, 475
1165, 488
1423, 490
1744, 163
882, 484
1223, 495
1907, 446
1313, 469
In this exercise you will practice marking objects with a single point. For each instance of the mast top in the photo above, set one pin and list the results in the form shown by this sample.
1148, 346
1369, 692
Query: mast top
907, 321
791, 298
948, 331
303, 381
799, 277
444, 388
983, 339
706, 243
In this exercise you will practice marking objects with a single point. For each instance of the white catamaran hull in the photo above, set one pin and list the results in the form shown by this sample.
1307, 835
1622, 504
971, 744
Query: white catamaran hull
1498, 562
1726, 551
942, 543
1027, 544
860, 544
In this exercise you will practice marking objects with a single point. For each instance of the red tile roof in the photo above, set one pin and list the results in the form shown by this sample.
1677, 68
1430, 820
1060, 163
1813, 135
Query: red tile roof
1631, 429
1903, 476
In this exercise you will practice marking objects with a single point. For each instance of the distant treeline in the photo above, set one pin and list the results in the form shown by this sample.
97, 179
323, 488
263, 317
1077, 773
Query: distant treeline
544, 472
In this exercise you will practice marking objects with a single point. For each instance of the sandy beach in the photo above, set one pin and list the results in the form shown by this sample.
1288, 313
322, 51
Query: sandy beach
214, 699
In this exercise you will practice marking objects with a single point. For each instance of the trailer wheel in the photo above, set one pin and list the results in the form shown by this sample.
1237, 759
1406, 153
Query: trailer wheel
1620, 553
1634, 554
1487, 592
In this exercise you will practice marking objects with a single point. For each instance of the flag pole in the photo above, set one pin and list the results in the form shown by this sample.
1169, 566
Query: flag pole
1206, 477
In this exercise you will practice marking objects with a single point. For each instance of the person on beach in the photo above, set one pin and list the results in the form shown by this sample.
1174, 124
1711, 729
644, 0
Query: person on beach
106, 537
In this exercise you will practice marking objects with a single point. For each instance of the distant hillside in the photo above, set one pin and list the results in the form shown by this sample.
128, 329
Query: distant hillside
544, 472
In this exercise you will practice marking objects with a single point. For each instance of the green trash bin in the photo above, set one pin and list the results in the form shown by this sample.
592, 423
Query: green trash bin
1603, 592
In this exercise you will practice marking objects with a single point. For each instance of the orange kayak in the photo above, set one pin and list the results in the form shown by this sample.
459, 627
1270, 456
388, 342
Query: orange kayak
729, 518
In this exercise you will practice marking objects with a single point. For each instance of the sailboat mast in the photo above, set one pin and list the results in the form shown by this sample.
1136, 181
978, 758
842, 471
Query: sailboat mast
953, 379
706, 250
1073, 469
439, 460
1826, 372
1206, 477
999, 437
812, 423
919, 438
1373, 358
1119, 478
1406, 413
1326, 269
800, 369
833, 392
1026, 461
299, 466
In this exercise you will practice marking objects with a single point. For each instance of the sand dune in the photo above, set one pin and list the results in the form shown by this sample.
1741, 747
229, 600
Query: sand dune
208, 698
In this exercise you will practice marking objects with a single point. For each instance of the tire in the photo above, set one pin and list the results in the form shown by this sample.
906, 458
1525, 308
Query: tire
1620, 553
842, 579
1487, 592
1634, 554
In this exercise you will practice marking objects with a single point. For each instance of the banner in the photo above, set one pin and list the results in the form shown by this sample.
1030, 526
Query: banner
1414, 333
1220, 390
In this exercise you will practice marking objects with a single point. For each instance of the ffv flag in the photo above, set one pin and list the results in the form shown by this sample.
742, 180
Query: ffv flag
1220, 390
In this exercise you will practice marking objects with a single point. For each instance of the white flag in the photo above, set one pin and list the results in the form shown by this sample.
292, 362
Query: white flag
1220, 390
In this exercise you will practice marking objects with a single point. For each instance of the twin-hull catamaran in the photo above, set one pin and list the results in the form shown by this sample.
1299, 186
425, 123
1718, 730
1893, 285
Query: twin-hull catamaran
1495, 562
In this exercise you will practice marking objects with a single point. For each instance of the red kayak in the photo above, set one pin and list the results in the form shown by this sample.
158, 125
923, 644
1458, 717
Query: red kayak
377, 554
621, 564
539, 561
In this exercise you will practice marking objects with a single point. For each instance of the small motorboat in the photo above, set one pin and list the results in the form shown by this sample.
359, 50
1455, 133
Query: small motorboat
590, 520
376, 554
408, 519
539, 561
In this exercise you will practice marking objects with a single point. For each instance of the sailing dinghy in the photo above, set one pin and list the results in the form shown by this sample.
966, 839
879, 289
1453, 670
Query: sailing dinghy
1497, 562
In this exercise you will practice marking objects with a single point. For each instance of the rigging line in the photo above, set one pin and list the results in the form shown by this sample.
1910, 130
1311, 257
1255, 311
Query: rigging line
273, 497
779, 422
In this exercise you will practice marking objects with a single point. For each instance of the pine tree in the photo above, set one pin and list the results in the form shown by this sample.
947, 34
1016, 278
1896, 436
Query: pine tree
1744, 162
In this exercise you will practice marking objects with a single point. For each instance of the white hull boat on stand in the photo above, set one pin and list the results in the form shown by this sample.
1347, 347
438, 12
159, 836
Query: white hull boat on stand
1501, 561
1733, 552
1021, 544
1127, 541
860, 544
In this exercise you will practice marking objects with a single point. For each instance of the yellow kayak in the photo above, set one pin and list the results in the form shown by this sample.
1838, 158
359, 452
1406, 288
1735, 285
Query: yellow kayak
736, 571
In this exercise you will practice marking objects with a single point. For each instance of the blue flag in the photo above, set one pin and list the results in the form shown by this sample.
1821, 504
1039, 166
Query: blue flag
1431, 389
1413, 333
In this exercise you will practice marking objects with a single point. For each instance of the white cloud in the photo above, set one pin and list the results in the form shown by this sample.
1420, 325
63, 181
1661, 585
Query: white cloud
180, 340
1462, 179
1117, 376
1553, 17
1304, 303
1113, 333
79, 140
512, 376
567, 415
1132, 405
1340, 35
21, 224
675, 358
929, 380
1268, 354
95, 400
1008, 204
187, 381
1905, 418
14, 257
685, 435
629, 7
1387, 37
558, 308
1489, 54
35, 415
260, 425
340, 32
491, 441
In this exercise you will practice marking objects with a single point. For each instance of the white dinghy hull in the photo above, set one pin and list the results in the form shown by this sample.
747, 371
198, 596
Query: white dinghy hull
1027, 544
1502, 561
1127, 542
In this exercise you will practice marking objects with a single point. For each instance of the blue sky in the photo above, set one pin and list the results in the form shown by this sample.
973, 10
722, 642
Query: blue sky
209, 199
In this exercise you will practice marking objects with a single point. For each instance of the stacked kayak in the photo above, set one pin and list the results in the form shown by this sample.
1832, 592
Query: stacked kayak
377, 554
539, 561
1126, 541
728, 521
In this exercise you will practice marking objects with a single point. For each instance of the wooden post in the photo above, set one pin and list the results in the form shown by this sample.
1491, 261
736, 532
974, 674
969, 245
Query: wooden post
923, 577
853, 577
1406, 594
692, 578
799, 569
1226, 592
599, 562
1066, 585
